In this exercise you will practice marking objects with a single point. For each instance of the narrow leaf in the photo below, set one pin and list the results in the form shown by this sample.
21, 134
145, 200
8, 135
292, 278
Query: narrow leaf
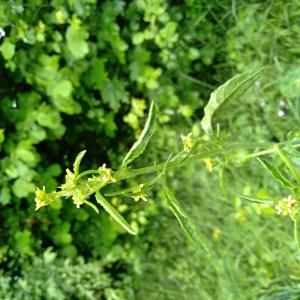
276, 173
93, 206
190, 229
140, 145
77, 162
114, 213
255, 200
229, 91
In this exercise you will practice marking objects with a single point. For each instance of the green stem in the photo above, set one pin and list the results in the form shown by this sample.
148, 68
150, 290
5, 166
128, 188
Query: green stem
296, 232
129, 173
268, 151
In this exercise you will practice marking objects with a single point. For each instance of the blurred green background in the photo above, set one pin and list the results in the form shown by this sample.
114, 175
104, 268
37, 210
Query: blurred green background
80, 74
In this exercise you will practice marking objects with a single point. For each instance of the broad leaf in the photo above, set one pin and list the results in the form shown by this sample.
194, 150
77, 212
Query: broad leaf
114, 213
77, 162
276, 173
190, 229
140, 145
229, 91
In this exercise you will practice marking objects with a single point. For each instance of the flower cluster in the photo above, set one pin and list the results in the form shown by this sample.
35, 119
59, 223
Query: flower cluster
139, 193
70, 183
42, 198
287, 206
187, 141
106, 174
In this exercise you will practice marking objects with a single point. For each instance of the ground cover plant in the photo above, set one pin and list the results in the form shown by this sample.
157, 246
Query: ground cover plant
100, 75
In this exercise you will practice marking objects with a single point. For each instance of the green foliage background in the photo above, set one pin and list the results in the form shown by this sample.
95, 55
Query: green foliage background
80, 75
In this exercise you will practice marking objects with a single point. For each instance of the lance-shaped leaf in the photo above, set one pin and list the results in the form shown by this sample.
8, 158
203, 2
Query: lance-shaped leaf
276, 173
140, 145
93, 206
77, 162
190, 229
256, 200
114, 213
226, 93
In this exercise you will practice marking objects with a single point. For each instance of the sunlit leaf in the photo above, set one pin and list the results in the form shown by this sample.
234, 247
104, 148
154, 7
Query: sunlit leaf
229, 91
93, 206
77, 162
191, 230
114, 213
140, 145
276, 173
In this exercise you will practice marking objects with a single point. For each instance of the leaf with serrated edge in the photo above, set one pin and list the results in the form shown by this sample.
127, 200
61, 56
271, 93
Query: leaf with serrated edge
229, 91
275, 173
77, 162
140, 145
114, 213
186, 224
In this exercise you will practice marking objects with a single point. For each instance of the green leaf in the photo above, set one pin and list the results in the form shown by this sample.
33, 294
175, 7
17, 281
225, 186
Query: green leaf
255, 200
113, 93
190, 229
93, 206
48, 117
76, 37
62, 89
62, 236
5, 195
77, 162
22, 187
7, 49
96, 74
140, 145
22, 242
229, 91
114, 213
276, 173
2, 136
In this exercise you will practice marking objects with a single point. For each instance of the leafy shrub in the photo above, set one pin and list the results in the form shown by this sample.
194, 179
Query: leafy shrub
49, 277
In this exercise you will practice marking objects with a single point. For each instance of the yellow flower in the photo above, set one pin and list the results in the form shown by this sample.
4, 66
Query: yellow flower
70, 183
287, 206
106, 174
216, 233
187, 141
209, 164
42, 198
139, 193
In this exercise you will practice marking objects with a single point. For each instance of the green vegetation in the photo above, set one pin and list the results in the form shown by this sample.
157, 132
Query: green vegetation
209, 188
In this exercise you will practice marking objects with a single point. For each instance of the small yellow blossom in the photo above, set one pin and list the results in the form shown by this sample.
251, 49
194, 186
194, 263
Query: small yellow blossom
42, 198
138, 193
287, 206
240, 215
78, 197
209, 164
70, 182
187, 141
140, 196
216, 233
106, 174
